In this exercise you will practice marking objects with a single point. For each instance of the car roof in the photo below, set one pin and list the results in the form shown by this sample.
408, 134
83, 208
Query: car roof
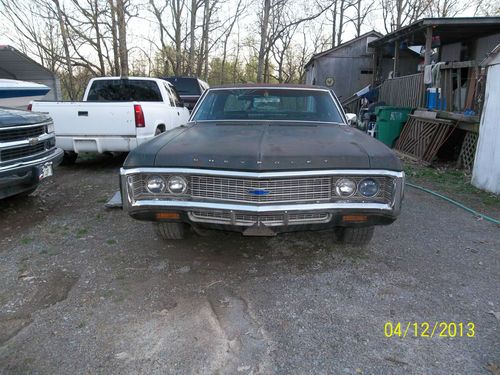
183, 77
270, 85
124, 78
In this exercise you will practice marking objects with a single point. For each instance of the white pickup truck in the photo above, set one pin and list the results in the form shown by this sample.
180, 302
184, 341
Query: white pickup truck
116, 115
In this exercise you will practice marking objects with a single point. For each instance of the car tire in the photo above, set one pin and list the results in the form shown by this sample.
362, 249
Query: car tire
355, 235
69, 158
170, 231
158, 131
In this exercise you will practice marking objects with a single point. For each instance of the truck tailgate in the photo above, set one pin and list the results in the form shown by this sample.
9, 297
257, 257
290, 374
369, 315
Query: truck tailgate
90, 118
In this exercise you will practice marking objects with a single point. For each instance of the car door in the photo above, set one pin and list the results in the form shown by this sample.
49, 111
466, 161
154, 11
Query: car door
172, 113
183, 112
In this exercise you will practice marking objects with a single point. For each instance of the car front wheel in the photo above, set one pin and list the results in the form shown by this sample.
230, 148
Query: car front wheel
170, 231
355, 235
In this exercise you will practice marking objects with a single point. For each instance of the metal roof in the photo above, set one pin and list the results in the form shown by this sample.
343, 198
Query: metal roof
16, 65
345, 44
449, 30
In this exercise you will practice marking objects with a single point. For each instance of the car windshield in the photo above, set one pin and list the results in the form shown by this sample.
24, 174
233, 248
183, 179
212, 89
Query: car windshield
185, 86
268, 104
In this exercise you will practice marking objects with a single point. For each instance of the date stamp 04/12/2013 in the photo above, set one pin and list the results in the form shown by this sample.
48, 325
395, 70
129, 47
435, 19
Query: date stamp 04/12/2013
429, 329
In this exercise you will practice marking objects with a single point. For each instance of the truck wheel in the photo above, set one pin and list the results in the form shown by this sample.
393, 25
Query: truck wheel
355, 235
69, 158
170, 231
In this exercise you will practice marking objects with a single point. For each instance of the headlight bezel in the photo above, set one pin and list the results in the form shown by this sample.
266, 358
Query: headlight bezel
368, 179
180, 179
161, 181
337, 188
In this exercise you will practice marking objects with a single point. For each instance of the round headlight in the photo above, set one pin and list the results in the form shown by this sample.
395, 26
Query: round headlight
155, 184
177, 185
368, 187
345, 187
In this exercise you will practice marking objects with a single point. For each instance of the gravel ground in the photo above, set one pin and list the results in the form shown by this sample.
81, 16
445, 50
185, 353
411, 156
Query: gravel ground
87, 290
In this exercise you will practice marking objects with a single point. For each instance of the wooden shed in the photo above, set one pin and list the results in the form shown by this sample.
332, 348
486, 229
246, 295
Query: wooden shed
348, 68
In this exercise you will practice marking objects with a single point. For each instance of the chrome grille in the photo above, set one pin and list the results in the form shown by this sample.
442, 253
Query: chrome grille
276, 190
279, 190
225, 217
21, 133
20, 152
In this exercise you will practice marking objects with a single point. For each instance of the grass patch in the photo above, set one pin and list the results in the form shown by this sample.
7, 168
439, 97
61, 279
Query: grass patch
111, 242
102, 200
81, 232
26, 240
453, 182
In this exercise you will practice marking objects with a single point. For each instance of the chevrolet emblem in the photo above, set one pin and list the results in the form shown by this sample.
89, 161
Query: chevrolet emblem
33, 141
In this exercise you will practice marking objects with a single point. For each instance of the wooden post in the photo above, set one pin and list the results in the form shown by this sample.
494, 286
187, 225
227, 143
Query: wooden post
428, 46
395, 70
375, 67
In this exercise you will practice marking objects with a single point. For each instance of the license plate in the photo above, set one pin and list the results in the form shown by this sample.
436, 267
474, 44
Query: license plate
46, 170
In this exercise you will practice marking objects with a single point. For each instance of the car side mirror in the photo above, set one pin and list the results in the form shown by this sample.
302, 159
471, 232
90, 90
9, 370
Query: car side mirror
351, 118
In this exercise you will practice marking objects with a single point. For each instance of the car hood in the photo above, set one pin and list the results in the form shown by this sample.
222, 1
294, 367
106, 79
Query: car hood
13, 117
264, 147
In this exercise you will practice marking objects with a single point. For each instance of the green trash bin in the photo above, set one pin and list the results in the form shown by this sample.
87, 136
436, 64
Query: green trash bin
390, 121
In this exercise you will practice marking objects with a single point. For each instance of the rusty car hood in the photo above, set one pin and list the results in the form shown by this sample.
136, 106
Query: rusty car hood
257, 146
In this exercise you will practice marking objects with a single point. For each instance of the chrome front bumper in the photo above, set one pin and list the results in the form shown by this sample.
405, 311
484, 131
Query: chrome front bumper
54, 156
133, 206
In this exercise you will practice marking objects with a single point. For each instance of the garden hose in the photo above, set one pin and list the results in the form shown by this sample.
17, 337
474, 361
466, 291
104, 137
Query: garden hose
458, 204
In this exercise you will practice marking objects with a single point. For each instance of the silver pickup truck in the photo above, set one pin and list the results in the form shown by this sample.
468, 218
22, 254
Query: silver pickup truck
28, 152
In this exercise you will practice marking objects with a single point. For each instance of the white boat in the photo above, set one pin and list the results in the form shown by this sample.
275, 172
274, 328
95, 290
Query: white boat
18, 94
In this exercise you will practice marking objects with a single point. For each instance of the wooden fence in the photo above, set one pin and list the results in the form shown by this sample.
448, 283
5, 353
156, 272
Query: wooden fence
407, 91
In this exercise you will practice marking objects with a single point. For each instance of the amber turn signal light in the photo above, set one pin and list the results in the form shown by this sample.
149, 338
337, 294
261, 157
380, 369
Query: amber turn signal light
355, 218
167, 215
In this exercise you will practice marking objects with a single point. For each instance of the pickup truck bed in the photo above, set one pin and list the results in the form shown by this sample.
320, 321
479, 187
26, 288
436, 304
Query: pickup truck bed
116, 115
95, 126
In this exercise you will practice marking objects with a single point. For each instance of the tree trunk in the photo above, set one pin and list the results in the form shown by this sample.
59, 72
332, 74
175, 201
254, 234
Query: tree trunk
192, 43
98, 37
341, 22
334, 24
122, 38
263, 40
67, 56
114, 39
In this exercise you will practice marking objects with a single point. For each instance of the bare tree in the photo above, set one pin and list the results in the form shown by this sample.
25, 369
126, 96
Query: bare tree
398, 13
240, 9
195, 5
487, 8
122, 37
173, 33
67, 56
362, 10
114, 38
285, 17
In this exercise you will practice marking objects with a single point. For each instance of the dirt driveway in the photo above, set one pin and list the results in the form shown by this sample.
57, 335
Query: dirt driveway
86, 290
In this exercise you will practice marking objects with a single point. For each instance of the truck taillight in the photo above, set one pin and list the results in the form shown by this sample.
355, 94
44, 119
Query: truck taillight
30, 106
139, 116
